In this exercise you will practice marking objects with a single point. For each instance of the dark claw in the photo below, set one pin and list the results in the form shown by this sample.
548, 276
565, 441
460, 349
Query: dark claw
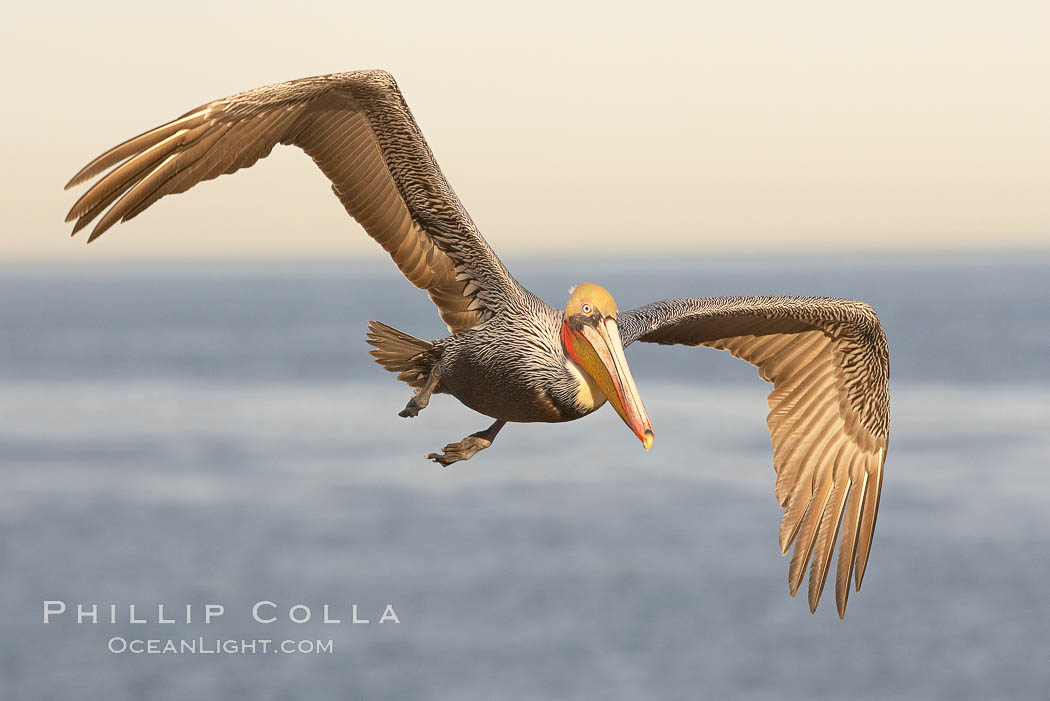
439, 459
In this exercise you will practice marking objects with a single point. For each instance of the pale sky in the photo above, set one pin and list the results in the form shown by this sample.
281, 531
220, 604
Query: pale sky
657, 128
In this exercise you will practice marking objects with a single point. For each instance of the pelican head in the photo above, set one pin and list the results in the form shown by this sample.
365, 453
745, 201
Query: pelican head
592, 339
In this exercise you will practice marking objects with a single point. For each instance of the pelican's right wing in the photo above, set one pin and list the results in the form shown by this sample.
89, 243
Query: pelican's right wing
829, 412
358, 129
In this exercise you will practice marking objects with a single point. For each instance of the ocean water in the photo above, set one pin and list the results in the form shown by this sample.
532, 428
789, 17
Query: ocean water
194, 434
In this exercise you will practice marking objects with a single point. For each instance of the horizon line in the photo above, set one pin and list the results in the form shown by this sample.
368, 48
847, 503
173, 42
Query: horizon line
531, 258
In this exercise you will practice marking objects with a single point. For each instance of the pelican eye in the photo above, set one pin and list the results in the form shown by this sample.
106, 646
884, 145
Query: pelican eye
586, 309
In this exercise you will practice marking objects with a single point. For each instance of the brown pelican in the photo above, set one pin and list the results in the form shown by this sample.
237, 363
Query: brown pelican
510, 355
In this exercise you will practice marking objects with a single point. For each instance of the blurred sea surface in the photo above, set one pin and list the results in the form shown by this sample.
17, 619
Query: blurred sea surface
218, 433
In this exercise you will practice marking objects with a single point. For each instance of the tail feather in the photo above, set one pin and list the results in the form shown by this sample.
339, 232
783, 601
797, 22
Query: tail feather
410, 357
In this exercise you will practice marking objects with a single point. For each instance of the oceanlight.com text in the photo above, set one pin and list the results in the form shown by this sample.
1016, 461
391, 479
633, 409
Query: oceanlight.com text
217, 646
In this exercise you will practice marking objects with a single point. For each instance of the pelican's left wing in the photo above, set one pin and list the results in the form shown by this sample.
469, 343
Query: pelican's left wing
360, 133
829, 412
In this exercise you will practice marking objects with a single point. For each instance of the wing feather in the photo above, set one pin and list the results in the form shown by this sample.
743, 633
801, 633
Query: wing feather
829, 528
135, 145
807, 536
797, 509
848, 540
828, 414
868, 515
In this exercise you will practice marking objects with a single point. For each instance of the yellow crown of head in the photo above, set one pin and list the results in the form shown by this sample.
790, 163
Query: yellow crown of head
596, 296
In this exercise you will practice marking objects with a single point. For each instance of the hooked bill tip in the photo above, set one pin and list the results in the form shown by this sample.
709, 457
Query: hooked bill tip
647, 440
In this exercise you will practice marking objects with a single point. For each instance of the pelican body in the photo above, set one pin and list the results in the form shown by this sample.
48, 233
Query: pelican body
536, 364
515, 358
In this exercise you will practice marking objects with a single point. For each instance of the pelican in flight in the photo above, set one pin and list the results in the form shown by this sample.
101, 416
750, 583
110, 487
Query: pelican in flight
511, 356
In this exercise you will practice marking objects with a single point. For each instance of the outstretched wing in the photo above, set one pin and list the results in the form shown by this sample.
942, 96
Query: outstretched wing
358, 129
829, 413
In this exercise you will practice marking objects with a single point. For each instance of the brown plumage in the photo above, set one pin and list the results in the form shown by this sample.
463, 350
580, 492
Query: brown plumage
358, 129
510, 355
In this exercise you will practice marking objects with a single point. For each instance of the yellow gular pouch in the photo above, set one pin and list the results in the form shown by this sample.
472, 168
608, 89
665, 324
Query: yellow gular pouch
598, 382
594, 386
589, 394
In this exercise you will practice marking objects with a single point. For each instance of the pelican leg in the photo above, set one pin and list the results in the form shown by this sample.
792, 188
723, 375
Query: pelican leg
469, 446
419, 402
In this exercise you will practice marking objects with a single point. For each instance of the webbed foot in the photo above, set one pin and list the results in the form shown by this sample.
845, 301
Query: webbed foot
422, 397
464, 450
414, 406
468, 447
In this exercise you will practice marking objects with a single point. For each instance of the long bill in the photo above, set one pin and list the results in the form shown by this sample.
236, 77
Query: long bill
608, 366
